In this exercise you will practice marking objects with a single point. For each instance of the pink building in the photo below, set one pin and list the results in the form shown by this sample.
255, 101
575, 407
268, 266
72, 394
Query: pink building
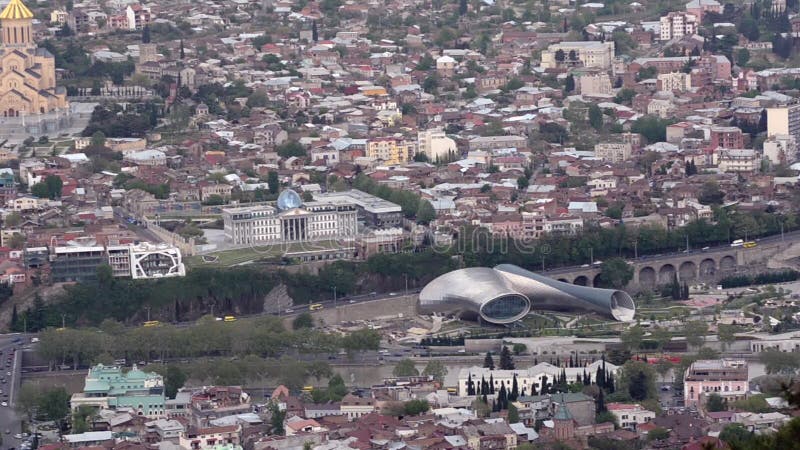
699, 7
726, 377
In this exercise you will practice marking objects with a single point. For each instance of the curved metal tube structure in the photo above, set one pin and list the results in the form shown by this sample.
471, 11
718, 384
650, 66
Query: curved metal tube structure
506, 294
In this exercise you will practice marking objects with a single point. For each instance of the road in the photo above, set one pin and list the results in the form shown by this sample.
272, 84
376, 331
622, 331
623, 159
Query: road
11, 360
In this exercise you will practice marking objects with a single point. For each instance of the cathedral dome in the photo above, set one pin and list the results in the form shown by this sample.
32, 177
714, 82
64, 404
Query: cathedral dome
16, 10
289, 199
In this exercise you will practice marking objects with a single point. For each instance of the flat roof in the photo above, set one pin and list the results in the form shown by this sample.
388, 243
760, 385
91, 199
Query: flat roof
368, 202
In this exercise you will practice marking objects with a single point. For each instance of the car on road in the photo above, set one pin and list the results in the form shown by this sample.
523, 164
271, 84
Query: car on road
8, 374
4, 404
351, 301
289, 311
392, 294
8, 431
17, 436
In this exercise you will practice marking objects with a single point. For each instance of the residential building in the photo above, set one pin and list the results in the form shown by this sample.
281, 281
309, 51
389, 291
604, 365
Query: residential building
699, 7
737, 160
354, 407
780, 149
497, 142
676, 25
290, 220
390, 150
630, 416
674, 81
588, 53
138, 16
760, 422
147, 158
109, 387
436, 145
721, 376
214, 402
594, 84
211, 437
165, 429
726, 137
784, 120
613, 152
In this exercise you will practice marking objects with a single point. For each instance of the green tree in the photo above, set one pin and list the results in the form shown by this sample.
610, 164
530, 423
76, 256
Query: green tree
569, 83
736, 436
336, 388
715, 403
595, 117
710, 193
754, 404
488, 361
12, 220
637, 379
291, 148
437, 369
726, 334
174, 379
632, 337
506, 360
273, 182
425, 212
522, 183
615, 273
303, 320
416, 407
276, 419
695, 332
513, 413
605, 417
778, 362
742, 57
653, 128
405, 368
657, 434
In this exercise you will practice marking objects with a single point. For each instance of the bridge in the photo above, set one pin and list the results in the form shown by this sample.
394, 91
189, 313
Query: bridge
693, 266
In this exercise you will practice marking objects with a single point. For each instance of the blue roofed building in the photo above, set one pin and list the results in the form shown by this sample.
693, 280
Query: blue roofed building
110, 387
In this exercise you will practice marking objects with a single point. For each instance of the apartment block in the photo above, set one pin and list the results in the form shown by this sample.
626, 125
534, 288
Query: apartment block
784, 120
391, 150
589, 53
613, 151
676, 25
725, 377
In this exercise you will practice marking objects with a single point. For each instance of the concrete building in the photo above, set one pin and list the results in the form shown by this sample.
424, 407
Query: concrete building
290, 221
147, 158
594, 84
109, 387
588, 53
373, 212
677, 24
726, 137
780, 149
720, 376
140, 261
354, 407
674, 81
784, 120
497, 142
436, 145
390, 150
613, 152
700, 7
630, 416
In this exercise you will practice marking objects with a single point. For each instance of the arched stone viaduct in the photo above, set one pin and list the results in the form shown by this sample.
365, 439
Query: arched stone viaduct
698, 266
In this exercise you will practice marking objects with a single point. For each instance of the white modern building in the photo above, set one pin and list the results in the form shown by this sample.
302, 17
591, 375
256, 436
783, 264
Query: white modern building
531, 377
436, 145
630, 415
290, 220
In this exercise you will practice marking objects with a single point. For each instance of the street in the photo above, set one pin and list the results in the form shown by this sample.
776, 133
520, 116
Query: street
11, 359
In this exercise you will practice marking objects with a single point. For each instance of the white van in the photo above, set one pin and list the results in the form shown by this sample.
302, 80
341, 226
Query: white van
737, 243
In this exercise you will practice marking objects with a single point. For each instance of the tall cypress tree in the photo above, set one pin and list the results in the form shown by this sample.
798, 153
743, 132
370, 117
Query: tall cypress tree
506, 361
502, 397
470, 386
514, 389
600, 402
491, 384
488, 361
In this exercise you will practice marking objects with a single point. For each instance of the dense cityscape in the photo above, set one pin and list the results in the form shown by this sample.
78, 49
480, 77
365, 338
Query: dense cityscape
399, 225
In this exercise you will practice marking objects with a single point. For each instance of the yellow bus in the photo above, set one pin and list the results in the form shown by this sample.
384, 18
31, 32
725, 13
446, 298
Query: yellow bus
750, 244
315, 307
307, 388
152, 323
452, 391
230, 319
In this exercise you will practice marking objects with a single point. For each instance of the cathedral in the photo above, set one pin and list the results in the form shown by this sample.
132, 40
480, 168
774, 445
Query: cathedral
27, 73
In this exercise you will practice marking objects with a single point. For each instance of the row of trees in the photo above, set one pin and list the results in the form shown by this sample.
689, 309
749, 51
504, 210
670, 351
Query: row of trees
762, 278
261, 337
